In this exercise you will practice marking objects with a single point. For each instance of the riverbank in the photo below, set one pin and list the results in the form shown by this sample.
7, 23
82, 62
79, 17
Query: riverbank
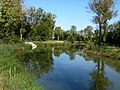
32, 44
12, 73
89, 48
103, 51
48, 42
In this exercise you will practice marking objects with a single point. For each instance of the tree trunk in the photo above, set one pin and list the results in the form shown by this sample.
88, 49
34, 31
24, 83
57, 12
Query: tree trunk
21, 34
58, 37
100, 34
105, 32
102, 67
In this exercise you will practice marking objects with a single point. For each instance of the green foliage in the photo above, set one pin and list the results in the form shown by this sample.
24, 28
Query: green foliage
73, 32
104, 51
113, 36
88, 32
99, 80
85, 35
45, 27
17, 23
42, 24
11, 12
12, 74
58, 32
42, 56
71, 39
104, 11
96, 37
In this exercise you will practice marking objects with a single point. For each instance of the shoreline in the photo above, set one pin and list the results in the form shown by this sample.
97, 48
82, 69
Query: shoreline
32, 44
107, 51
12, 74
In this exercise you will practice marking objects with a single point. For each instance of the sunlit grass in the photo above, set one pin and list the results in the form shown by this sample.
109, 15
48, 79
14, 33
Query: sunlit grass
50, 42
104, 51
12, 74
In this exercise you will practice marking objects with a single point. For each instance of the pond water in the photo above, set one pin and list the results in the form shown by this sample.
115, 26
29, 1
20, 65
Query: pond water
69, 68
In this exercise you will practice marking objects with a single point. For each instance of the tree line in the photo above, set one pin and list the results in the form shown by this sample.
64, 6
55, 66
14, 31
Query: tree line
19, 22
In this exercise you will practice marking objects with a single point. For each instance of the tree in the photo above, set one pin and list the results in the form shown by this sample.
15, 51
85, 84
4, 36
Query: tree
58, 32
10, 14
104, 11
81, 35
46, 26
30, 14
73, 32
71, 38
42, 24
66, 34
113, 36
96, 37
88, 32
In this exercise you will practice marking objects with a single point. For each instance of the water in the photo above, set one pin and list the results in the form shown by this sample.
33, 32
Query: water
69, 68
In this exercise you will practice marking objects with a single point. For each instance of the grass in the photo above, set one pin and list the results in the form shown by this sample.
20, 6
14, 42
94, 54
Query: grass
50, 42
89, 48
105, 51
12, 74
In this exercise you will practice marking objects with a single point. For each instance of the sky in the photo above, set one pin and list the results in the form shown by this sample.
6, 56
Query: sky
69, 12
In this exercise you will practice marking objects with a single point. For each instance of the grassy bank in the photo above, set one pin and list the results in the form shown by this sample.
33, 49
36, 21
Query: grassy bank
12, 74
104, 51
54, 43
89, 48
49, 42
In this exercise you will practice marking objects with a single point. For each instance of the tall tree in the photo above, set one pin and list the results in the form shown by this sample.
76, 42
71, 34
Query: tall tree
81, 35
96, 37
88, 32
113, 36
10, 14
45, 26
104, 11
58, 31
42, 24
73, 31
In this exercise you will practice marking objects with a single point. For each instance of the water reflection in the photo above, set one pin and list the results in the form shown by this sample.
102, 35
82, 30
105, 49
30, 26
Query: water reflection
50, 61
71, 51
38, 61
99, 79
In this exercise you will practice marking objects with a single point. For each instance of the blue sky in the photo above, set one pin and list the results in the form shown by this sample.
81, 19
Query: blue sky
69, 12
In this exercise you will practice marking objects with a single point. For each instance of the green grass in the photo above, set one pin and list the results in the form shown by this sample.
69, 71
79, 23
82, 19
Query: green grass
104, 51
12, 74
49, 42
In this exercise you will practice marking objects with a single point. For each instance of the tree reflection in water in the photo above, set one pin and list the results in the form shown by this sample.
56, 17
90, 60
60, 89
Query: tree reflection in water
99, 79
38, 61
71, 50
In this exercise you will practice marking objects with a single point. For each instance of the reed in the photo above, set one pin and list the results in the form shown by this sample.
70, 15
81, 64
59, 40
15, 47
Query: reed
12, 74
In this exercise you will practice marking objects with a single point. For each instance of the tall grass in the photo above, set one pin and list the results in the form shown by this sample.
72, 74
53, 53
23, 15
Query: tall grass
12, 74
105, 51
